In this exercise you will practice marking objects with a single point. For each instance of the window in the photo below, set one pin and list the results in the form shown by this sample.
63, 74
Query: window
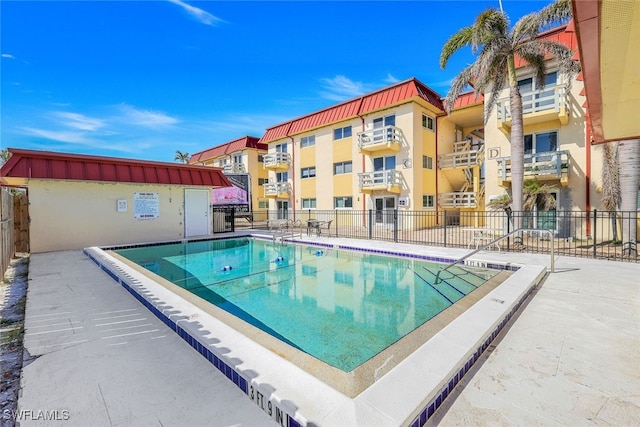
260, 158
308, 172
308, 203
343, 202
428, 201
262, 181
540, 142
384, 163
340, 133
427, 162
263, 204
237, 158
307, 141
341, 167
428, 122
282, 176
309, 270
384, 121
281, 148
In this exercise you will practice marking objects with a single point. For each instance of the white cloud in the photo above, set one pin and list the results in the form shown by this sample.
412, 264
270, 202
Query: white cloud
199, 14
61, 136
145, 118
8, 56
340, 88
390, 79
79, 121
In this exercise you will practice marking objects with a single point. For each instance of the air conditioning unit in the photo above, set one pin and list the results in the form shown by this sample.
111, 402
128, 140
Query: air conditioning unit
403, 202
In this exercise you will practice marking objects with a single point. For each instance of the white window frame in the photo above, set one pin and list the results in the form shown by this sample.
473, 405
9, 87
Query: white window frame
307, 141
310, 201
349, 162
425, 122
308, 169
427, 162
343, 198
342, 132
431, 201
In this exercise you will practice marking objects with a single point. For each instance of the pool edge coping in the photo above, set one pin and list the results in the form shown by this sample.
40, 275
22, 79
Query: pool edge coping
370, 402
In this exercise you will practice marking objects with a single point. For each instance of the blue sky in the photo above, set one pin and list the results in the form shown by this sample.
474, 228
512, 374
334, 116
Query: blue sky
144, 79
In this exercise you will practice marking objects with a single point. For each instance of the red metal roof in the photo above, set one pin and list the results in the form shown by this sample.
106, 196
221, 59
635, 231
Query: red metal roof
564, 34
396, 94
468, 99
29, 164
228, 148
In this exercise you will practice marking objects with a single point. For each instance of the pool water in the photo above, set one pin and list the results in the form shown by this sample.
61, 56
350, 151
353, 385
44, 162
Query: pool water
342, 307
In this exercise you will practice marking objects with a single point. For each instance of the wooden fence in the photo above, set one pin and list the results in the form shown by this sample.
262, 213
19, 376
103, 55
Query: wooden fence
14, 231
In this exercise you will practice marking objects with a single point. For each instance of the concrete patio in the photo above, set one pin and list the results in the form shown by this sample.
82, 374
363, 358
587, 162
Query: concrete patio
100, 358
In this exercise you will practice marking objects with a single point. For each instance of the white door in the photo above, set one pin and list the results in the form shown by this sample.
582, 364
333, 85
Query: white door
196, 213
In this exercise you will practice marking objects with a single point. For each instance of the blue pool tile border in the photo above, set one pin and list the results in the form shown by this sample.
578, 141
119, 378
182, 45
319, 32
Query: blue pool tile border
427, 412
228, 371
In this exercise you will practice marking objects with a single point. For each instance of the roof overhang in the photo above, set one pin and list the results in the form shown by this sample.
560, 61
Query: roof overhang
25, 165
608, 34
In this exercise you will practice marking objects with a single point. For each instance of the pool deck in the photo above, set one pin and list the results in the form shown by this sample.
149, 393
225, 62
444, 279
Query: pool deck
569, 358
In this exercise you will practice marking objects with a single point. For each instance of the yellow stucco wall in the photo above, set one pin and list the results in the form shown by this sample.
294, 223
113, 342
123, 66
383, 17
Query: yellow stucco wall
73, 215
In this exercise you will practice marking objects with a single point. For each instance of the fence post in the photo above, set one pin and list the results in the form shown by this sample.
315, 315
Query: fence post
444, 220
370, 224
395, 225
595, 231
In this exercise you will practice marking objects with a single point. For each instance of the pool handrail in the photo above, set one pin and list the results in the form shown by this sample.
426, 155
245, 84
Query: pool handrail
493, 242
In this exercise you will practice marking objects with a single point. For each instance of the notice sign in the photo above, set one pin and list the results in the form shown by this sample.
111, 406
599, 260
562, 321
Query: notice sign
146, 205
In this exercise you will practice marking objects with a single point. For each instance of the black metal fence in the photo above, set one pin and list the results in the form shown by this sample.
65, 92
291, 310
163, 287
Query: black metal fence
593, 234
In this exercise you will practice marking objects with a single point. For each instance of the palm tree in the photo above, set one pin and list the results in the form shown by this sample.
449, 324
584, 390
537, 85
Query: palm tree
496, 48
629, 160
182, 157
4, 156
611, 184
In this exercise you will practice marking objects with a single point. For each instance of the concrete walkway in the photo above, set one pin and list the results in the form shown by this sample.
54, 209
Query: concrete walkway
101, 359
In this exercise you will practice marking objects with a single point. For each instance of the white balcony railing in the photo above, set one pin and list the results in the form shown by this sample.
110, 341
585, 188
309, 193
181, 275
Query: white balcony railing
276, 189
467, 199
389, 180
551, 98
277, 160
381, 138
545, 165
234, 168
460, 159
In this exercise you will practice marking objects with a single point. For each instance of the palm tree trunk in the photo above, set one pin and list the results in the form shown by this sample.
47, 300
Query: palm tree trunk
517, 154
629, 160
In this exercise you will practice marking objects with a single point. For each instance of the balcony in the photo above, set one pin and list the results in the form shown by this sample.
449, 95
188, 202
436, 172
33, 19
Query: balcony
461, 159
381, 139
458, 199
386, 180
549, 104
545, 166
277, 161
234, 168
278, 190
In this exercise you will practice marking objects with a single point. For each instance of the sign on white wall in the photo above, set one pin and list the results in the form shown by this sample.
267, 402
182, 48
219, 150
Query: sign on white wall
146, 205
122, 205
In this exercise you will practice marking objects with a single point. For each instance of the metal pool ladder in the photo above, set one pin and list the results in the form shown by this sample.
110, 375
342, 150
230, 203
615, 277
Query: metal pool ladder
493, 242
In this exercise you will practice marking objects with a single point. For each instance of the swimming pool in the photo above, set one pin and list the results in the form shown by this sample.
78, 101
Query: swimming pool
342, 307
402, 385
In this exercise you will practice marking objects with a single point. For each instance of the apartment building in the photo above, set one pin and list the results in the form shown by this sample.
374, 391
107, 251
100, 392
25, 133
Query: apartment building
396, 148
377, 152
241, 161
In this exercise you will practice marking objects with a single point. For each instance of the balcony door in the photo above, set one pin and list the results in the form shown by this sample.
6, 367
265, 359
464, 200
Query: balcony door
378, 127
283, 209
384, 209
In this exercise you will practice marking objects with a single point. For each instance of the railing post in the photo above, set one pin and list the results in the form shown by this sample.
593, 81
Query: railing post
595, 231
370, 224
444, 213
395, 225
